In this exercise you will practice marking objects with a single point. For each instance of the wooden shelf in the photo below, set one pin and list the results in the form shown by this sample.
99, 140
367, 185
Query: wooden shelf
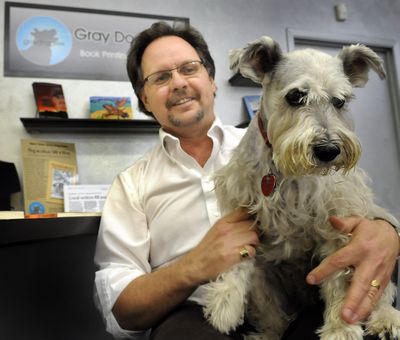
89, 125
238, 80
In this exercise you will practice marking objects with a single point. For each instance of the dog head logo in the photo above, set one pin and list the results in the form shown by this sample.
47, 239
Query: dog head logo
304, 104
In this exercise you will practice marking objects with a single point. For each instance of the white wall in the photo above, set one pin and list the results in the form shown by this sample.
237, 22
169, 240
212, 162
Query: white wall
224, 23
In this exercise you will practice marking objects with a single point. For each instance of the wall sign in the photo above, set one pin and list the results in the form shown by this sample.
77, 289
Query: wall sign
44, 41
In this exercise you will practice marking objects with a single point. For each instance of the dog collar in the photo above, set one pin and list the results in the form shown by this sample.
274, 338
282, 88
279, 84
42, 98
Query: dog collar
268, 182
262, 130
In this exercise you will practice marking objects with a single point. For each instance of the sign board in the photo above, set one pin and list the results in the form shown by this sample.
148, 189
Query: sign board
74, 43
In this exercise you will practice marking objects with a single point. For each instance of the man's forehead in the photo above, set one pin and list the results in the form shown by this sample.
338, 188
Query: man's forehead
168, 51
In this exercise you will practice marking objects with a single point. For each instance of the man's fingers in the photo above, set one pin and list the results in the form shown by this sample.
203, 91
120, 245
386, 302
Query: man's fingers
362, 295
342, 259
238, 215
345, 224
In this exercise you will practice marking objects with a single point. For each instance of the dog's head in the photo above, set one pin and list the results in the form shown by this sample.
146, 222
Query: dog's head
304, 102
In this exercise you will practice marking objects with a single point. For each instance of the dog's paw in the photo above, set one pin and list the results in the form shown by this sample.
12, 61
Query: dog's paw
344, 332
224, 306
383, 322
225, 299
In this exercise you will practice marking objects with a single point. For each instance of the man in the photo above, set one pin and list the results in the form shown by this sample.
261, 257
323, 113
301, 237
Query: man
161, 235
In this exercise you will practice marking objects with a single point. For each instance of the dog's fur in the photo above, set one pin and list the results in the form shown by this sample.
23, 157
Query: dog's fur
312, 152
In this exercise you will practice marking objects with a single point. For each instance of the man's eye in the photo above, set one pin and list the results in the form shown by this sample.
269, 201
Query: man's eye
187, 70
161, 77
338, 103
296, 97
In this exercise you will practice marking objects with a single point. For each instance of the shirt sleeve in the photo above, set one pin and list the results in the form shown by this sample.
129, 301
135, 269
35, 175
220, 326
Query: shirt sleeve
122, 250
383, 214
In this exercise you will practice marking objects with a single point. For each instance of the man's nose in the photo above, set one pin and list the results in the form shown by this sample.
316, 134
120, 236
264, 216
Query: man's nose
177, 79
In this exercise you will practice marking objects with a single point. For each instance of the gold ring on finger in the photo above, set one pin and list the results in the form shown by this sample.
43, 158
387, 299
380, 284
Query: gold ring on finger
376, 284
244, 253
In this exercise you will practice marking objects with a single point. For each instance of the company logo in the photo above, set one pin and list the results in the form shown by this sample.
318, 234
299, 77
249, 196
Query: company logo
44, 40
36, 208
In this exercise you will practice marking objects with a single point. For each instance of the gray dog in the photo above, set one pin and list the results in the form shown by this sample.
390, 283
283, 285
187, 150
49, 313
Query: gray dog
294, 169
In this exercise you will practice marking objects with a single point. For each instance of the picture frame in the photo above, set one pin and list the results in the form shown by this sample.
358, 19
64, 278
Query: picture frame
59, 174
46, 41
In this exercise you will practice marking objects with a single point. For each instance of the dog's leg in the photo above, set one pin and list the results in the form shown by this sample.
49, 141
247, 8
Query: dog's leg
334, 328
264, 311
264, 336
225, 299
385, 319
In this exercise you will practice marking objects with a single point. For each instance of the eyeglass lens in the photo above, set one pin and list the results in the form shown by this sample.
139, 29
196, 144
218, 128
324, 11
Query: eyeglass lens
187, 69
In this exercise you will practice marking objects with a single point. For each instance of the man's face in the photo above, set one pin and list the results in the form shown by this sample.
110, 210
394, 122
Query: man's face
183, 102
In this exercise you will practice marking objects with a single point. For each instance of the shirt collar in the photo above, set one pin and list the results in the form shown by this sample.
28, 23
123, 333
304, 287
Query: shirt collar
172, 148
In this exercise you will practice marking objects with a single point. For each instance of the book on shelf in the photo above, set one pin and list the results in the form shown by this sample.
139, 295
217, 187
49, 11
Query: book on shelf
50, 215
111, 108
78, 214
11, 215
62, 215
252, 105
50, 100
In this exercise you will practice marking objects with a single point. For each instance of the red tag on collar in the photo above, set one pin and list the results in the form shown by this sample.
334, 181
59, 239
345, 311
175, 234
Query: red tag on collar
268, 184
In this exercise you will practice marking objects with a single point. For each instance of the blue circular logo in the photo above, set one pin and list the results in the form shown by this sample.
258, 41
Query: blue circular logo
36, 208
44, 40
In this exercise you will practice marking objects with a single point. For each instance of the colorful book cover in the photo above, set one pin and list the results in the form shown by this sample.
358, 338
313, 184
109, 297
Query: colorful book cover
111, 108
49, 98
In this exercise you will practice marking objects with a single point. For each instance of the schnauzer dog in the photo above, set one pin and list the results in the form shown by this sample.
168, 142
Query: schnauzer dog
294, 169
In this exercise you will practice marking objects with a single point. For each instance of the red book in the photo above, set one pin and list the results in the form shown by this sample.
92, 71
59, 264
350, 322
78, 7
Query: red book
50, 100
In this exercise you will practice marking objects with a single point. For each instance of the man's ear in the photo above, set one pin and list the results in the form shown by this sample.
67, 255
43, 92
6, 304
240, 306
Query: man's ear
357, 61
257, 59
214, 86
144, 100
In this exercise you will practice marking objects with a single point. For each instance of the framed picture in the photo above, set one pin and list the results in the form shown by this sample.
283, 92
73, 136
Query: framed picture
46, 41
60, 174
252, 105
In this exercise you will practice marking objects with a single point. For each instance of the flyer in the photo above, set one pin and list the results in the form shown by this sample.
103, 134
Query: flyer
47, 167
85, 198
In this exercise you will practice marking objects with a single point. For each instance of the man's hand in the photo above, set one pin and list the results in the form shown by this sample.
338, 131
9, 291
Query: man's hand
220, 248
372, 251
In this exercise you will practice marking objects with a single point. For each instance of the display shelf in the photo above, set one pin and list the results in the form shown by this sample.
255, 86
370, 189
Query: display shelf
89, 125
39, 229
238, 80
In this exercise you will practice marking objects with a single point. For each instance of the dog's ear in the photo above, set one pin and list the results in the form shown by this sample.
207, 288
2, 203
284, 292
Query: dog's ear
257, 59
357, 61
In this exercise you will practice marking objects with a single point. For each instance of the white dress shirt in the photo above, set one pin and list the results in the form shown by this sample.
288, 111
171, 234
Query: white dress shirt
156, 211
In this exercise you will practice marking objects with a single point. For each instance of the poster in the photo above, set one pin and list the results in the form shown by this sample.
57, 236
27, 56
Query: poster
47, 167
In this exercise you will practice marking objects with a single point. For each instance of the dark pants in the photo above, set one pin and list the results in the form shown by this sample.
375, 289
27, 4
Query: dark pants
187, 323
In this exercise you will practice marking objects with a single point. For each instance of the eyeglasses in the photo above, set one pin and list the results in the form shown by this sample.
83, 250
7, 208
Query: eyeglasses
163, 77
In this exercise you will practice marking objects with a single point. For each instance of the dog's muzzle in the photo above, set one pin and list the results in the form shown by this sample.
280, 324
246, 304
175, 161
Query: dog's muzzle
326, 152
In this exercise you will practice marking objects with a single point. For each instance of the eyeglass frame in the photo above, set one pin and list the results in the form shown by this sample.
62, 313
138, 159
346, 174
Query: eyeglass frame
146, 80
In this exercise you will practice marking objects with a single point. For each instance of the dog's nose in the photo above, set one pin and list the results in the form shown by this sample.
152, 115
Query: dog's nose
326, 152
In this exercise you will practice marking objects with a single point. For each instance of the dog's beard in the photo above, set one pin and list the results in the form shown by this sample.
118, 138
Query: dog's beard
294, 157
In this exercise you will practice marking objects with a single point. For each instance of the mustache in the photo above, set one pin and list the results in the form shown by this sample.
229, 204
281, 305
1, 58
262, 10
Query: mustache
178, 95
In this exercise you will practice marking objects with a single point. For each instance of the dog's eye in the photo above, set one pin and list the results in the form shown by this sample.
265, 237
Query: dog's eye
338, 103
296, 97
